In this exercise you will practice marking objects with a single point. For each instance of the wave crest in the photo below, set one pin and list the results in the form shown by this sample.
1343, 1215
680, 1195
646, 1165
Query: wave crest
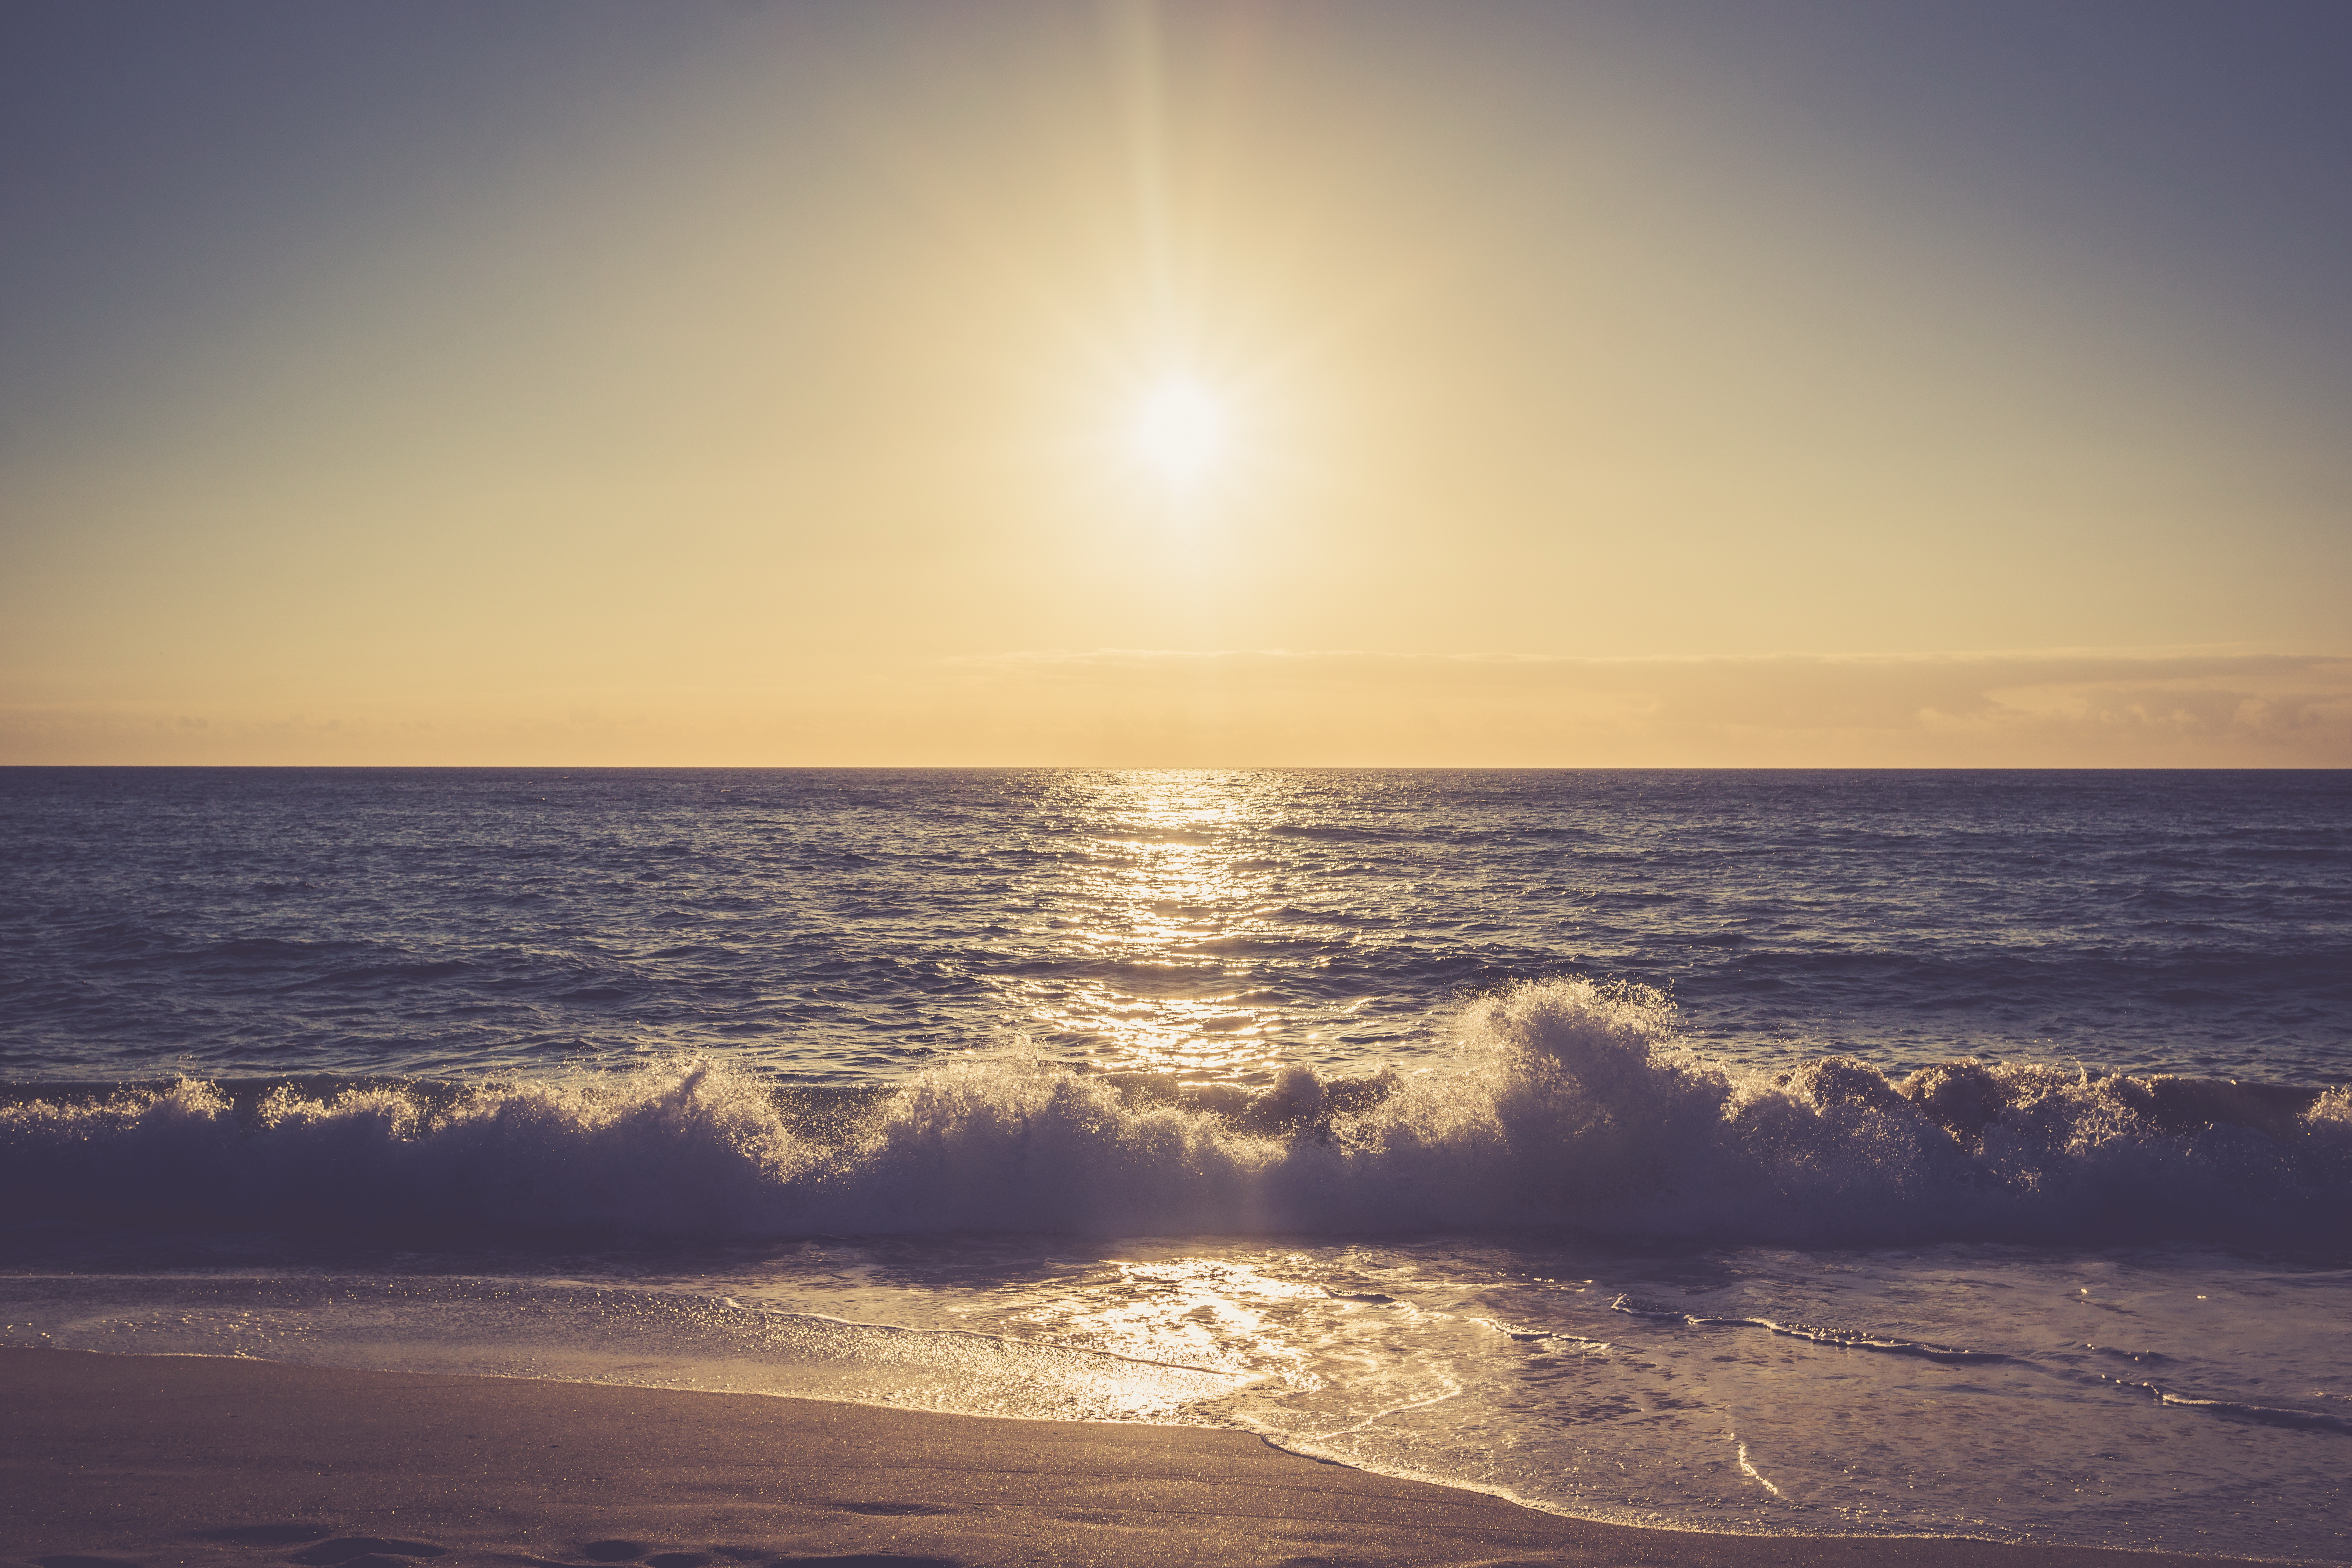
1568, 1104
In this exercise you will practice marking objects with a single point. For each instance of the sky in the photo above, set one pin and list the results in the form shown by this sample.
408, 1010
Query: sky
1672, 384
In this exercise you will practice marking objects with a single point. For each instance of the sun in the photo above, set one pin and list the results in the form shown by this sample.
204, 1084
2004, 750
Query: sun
1180, 431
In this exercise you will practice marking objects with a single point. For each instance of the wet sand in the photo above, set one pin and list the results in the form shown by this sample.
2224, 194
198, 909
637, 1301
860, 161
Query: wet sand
156, 1460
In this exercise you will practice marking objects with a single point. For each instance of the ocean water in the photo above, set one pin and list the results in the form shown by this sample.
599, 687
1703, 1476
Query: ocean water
1806, 1152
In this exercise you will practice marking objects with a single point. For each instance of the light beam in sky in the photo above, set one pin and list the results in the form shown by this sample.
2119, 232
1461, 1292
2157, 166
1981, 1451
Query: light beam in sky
1713, 385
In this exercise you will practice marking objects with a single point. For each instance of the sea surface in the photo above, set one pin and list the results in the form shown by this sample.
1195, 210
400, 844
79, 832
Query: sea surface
1803, 1152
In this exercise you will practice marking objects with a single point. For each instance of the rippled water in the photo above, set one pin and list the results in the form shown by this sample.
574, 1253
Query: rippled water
1960, 1153
841, 926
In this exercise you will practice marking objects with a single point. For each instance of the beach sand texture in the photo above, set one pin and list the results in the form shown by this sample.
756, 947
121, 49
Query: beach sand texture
154, 1460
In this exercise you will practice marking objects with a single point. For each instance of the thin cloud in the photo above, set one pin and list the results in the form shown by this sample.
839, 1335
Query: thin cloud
2194, 708
1239, 708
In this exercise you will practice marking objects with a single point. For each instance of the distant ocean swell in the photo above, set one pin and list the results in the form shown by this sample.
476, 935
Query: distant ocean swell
1568, 1105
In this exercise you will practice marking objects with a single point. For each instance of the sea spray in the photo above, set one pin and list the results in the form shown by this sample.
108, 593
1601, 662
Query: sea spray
1565, 1104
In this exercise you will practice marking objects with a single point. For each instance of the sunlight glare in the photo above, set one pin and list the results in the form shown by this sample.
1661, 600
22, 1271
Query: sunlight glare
1180, 431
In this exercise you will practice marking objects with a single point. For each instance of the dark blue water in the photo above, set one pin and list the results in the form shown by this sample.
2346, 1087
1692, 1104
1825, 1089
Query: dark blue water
840, 926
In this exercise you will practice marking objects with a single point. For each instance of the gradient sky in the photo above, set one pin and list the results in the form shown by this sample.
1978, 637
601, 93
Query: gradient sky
1731, 383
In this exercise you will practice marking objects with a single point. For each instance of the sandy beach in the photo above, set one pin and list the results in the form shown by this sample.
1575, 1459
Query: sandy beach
153, 1460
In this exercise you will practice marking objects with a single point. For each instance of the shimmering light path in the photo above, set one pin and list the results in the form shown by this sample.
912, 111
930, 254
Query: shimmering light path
849, 926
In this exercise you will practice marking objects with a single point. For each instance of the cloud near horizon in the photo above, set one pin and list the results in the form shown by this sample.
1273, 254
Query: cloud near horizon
1143, 708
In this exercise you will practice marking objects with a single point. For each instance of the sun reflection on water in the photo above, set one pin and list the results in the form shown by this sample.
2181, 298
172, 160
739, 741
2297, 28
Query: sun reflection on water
1217, 1314
1170, 878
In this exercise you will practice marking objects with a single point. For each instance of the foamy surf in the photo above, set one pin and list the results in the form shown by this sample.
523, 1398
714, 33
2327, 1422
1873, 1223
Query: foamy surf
1563, 1105
1512, 1368
589, 1332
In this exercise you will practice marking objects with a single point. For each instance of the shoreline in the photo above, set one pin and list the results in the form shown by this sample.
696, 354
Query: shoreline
145, 1459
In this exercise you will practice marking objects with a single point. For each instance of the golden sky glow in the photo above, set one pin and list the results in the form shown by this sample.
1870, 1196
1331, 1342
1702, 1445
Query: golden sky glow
1076, 384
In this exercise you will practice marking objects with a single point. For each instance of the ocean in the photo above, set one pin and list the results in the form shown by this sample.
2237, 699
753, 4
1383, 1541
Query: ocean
1938, 1153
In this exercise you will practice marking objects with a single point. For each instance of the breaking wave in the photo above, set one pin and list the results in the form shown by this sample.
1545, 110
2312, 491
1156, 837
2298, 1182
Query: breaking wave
1568, 1105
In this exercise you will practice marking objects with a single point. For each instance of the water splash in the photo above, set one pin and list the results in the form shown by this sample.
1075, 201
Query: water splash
1566, 1104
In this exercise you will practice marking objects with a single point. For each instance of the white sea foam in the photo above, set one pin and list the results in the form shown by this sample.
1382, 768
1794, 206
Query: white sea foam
2158, 1396
1567, 1104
